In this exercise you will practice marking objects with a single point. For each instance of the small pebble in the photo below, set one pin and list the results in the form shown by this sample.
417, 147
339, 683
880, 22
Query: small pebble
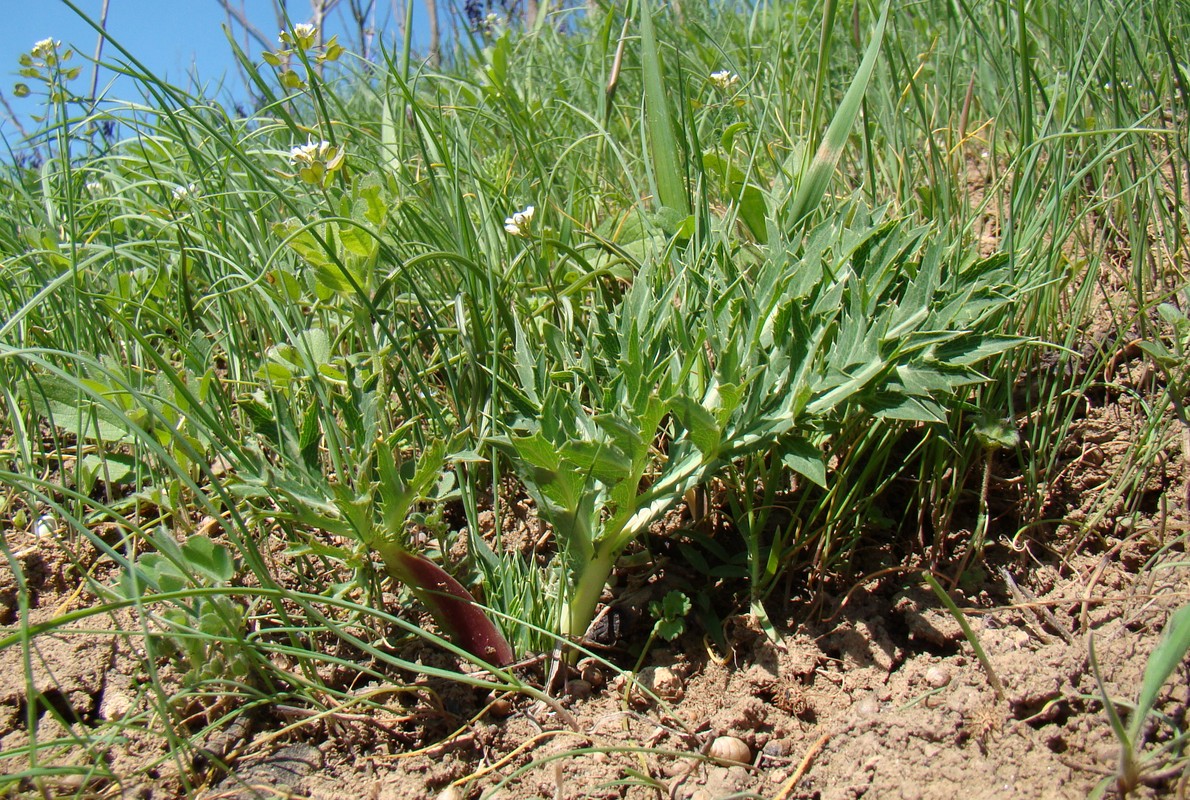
937, 677
591, 673
115, 706
867, 706
500, 706
663, 682
578, 689
777, 747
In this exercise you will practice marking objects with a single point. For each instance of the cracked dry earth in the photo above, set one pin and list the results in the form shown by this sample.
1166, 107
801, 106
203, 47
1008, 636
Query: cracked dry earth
873, 693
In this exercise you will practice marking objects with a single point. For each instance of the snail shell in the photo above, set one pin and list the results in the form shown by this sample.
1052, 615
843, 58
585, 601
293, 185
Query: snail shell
729, 749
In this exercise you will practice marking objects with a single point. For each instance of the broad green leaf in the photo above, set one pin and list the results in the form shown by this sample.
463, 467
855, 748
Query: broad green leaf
301, 241
536, 451
211, 559
841, 388
996, 434
357, 241
262, 419
371, 205
113, 468
389, 145
626, 436
725, 399
64, 402
311, 437
525, 363
600, 459
972, 349
891, 404
1159, 353
806, 460
674, 223
925, 381
747, 197
315, 344
275, 373
163, 573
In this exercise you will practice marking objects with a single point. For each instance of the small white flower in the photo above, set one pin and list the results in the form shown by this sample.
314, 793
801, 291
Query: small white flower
45, 526
309, 153
316, 161
492, 20
301, 37
724, 79
185, 194
518, 224
94, 188
45, 48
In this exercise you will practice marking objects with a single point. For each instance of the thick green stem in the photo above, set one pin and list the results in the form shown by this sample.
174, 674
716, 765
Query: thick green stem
579, 607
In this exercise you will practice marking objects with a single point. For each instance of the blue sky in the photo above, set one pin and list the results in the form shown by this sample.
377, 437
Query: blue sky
173, 38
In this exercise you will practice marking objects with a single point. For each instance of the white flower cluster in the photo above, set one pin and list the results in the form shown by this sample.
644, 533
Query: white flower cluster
724, 80
301, 37
186, 194
317, 161
518, 224
306, 155
45, 48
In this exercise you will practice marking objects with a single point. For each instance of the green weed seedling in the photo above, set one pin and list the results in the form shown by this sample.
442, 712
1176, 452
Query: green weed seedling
1165, 658
669, 621
204, 631
374, 510
1172, 359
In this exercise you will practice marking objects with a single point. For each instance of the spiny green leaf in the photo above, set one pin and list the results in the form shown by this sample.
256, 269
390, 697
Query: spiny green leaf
701, 426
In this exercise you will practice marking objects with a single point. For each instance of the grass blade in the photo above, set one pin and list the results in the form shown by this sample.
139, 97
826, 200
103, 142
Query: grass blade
663, 141
817, 176
1174, 644
955, 612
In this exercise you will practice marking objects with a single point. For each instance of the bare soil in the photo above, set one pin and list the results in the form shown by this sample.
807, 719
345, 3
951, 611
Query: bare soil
873, 690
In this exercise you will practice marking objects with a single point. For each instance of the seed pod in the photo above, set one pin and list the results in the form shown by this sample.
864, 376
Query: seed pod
730, 750
500, 705
589, 671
